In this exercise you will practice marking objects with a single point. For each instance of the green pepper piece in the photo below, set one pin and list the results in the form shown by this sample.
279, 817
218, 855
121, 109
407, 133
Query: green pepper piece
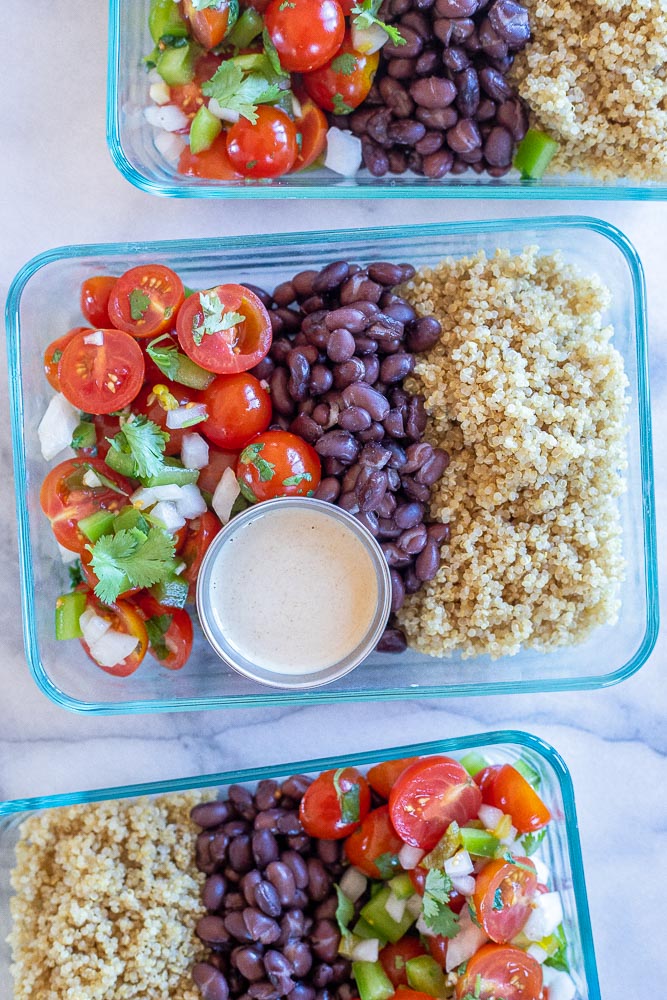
372, 981
204, 130
173, 476
246, 29
177, 66
129, 518
424, 974
96, 525
85, 435
535, 153
164, 18
69, 608
479, 842
362, 929
473, 763
401, 886
375, 914
120, 461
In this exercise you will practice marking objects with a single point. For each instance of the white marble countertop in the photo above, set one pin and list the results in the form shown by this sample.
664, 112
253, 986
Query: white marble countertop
61, 187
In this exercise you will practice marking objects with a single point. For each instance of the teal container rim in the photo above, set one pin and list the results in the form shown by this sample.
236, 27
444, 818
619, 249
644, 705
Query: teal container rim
351, 237
521, 190
497, 737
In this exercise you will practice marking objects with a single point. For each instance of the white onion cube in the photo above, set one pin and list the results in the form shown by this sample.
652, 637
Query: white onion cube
57, 426
545, 917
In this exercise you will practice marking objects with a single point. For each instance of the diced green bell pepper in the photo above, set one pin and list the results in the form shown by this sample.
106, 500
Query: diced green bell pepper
528, 772
535, 153
424, 974
246, 29
204, 130
375, 914
473, 763
69, 608
164, 18
128, 518
84, 436
172, 475
362, 929
177, 66
372, 981
97, 524
479, 842
401, 886
120, 461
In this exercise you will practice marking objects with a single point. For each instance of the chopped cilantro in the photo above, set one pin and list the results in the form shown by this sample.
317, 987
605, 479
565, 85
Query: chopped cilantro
75, 574
348, 799
345, 64
204, 4
214, 319
237, 91
559, 958
498, 899
246, 493
387, 864
473, 913
251, 164
437, 914
130, 554
109, 483
297, 479
286, 4
166, 358
365, 13
340, 107
344, 910
56, 356
531, 841
139, 303
251, 456
508, 856
157, 628
145, 442
272, 55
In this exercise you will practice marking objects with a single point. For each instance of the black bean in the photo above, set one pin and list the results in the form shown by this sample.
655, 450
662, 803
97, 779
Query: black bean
416, 491
375, 455
398, 101
303, 992
415, 423
291, 320
423, 334
357, 123
234, 901
303, 283
369, 520
263, 296
331, 467
341, 345
431, 143
328, 489
299, 955
263, 370
397, 367
281, 877
264, 848
218, 847
397, 590
362, 292
319, 881
414, 43
248, 883
280, 395
290, 824
213, 892
406, 132
240, 854
263, 990
492, 44
347, 317
268, 819
371, 492
408, 515
438, 164
212, 931
387, 505
393, 424
342, 970
510, 20
348, 372
325, 939
385, 273
411, 581
402, 69
373, 434
331, 276
428, 561
387, 529
416, 455
355, 419
374, 157
398, 459
205, 863
467, 99
437, 118
210, 814
433, 92
462, 29
267, 900
366, 346
338, 444
292, 926
321, 380
486, 111
413, 540
260, 927
348, 501
322, 975
279, 971
362, 394
455, 59
307, 428
249, 962
392, 641
512, 115
236, 925
418, 22
439, 532
394, 555
230, 874
378, 124
299, 374
211, 983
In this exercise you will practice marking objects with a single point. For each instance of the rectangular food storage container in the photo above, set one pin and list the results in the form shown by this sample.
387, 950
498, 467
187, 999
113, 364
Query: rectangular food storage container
48, 286
560, 850
132, 147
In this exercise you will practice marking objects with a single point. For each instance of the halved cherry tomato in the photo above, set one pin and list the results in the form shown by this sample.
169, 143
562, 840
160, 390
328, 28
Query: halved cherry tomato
430, 795
238, 408
344, 80
145, 300
188, 96
213, 163
438, 947
101, 378
404, 994
335, 803
210, 25
382, 777
375, 838
175, 626
201, 533
278, 464
92, 579
95, 294
54, 353
123, 618
484, 779
266, 149
312, 127
306, 33
66, 499
218, 461
210, 332
149, 404
511, 792
502, 897
498, 970
394, 956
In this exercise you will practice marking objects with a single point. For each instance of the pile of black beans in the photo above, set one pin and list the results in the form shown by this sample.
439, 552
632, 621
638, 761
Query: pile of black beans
270, 899
442, 103
344, 341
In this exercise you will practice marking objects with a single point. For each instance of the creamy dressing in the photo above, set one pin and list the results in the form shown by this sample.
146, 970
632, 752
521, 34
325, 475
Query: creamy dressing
294, 591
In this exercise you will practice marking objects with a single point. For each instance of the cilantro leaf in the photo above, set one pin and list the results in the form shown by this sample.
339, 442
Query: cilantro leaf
387, 864
344, 910
109, 483
559, 959
285, 4
345, 64
365, 13
272, 54
204, 4
131, 555
236, 91
139, 303
145, 442
75, 574
214, 319
531, 841
251, 456
437, 914
498, 899
473, 913
340, 107
157, 628
508, 856
166, 358
297, 479
348, 799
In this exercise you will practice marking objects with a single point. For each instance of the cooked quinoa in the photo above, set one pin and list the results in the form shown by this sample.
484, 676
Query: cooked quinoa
107, 896
527, 394
595, 77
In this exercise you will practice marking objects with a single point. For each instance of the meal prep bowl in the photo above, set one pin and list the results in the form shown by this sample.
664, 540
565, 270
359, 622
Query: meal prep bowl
43, 302
561, 849
132, 147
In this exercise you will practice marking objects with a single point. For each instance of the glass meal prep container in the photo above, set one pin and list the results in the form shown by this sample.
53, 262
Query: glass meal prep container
131, 143
560, 850
48, 286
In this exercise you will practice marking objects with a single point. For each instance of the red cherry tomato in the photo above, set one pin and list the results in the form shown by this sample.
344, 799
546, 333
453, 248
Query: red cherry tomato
312, 126
201, 533
335, 804
374, 839
344, 80
418, 878
54, 353
213, 163
169, 631
382, 777
405, 994
500, 971
484, 779
210, 25
278, 464
306, 33
227, 344
430, 795
238, 408
511, 792
66, 499
101, 378
145, 300
394, 956
218, 461
502, 897
266, 149
149, 404
123, 618
438, 948
95, 294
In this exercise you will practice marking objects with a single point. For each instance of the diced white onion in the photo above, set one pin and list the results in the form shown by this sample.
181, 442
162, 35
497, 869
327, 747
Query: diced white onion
297, 110
224, 114
561, 986
490, 816
369, 40
366, 950
459, 864
395, 907
353, 883
169, 117
225, 495
166, 512
541, 870
409, 857
93, 626
113, 648
184, 416
90, 478
66, 555
469, 939
465, 884
423, 928
343, 152
96, 338
538, 953
190, 502
160, 92
57, 426
545, 917
179, 569
414, 905
146, 496
169, 145
194, 451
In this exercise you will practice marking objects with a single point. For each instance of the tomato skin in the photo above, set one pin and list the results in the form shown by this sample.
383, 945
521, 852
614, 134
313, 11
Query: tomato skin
164, 291
266, 149
54, 351
148, 404
437, 947
95, 294
201, 533
485, 780
503, 971
290, 456
403, 950
238, 409
226, 352
101, 378
218, 461
514, 795
405, 994
306, 33
65, 499
213, 163
320, 810
209, 26
382, 777
312, 126
178, 637
324, 83
517, 888
428, 796
124, 617
418, 878
375, 837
